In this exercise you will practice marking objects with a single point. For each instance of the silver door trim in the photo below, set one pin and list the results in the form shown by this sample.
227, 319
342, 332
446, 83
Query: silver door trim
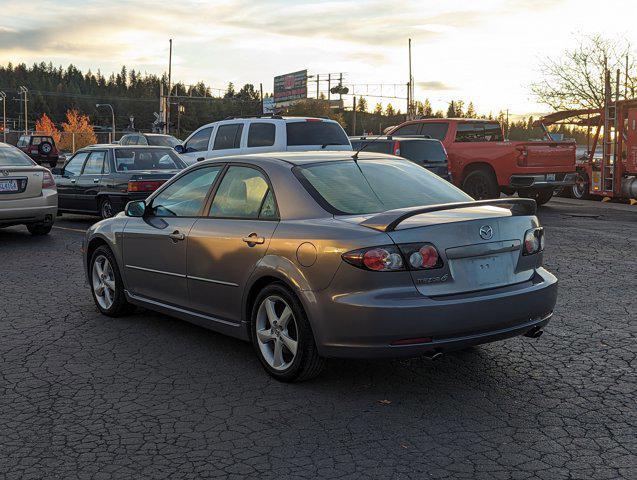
210, 280
134, 267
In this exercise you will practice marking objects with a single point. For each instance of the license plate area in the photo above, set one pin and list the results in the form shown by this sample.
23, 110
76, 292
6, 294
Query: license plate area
550, 177
11, 185
486, 270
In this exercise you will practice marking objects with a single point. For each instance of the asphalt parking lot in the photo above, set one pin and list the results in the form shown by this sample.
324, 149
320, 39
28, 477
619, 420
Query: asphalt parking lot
85, 396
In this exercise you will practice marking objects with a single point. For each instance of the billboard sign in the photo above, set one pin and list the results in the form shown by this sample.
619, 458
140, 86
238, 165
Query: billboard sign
290, 87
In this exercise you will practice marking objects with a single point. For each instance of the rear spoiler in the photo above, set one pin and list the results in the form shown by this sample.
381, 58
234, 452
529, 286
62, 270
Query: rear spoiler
389, 220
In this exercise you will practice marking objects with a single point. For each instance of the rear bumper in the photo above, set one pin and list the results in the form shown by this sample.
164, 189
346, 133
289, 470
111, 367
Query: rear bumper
365, 324
553, 180
29, 210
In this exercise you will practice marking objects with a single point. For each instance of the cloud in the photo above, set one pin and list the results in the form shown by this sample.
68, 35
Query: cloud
435, 85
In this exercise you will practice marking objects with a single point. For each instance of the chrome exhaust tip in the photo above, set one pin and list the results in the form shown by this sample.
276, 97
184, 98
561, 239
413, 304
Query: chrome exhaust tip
432, 356
534, 333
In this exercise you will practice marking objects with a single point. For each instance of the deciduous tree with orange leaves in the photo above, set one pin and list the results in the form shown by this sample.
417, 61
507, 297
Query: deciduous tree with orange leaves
77, 131
45, 125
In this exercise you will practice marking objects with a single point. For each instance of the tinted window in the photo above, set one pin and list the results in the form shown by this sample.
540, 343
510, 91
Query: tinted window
186, 196
162, 140
74, 167
94, 164
23, 142
315, 133
128, 159
435, 130
228, 136
199, 141
370, 186
12, 157
411, 129
241, 194
492, 132
261, 134
423, 151
470, 132
381, 146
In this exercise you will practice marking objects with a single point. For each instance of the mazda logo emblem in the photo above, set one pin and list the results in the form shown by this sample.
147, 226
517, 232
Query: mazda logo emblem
486, 232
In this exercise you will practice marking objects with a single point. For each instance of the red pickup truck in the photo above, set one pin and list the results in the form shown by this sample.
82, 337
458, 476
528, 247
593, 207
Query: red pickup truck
484, 164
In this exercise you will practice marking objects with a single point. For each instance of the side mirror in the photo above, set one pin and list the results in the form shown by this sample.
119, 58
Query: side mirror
57, 171
180, 148
135, 208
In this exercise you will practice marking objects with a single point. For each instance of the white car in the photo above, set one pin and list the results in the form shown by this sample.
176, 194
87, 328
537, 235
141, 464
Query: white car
28, 194
240, 136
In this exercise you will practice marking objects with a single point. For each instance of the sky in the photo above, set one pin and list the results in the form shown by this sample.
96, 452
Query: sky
485, 51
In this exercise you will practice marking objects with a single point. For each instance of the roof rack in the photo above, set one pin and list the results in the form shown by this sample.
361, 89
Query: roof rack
278, 117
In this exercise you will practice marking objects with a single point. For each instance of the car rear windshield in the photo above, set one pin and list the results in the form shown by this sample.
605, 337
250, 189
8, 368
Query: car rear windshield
371, 186
315, 132
130, 159
423, 151
162, 141
12, 157
374, 146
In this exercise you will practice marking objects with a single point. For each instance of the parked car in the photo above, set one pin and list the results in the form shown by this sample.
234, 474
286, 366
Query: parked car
101, 179
238, 136
155, 139
426, 152
28, 195
484, 164
326, 254
41, 148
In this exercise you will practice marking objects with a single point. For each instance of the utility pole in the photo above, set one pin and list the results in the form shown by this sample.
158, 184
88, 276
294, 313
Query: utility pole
3, 99
409, 86
340, 95
318, 81
24, 91
354, 117
170, 63
329, 86
261, 96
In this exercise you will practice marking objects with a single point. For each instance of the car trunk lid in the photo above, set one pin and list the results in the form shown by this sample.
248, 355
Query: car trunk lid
20, 182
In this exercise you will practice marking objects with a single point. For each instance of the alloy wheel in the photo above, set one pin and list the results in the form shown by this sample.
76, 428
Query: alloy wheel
277, 332
103, 282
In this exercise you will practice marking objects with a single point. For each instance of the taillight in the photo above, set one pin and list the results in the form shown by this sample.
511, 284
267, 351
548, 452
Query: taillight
392, 258
144, 185
33, 151
533, 241
397, 148
313, 120
47, 180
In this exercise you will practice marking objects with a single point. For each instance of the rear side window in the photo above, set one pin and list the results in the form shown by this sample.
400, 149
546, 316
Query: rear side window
423, 151
23, 142
199, 141
435, 130
261, 134
12, 157
492, 132
411, 129
243, 193
228, 136
479, 132
315, 132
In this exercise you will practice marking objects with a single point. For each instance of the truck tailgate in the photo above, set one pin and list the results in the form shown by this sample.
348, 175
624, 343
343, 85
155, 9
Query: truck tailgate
540, 154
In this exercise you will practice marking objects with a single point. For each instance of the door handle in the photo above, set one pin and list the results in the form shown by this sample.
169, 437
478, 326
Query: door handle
73, 180
176, 236
96, 180
200, 159
253, 239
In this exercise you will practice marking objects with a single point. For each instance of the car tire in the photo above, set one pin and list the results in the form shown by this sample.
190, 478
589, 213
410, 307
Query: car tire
107, 279
106, 208
45, 148
481, 184
272, 329
39, 229
540, 195
580, 190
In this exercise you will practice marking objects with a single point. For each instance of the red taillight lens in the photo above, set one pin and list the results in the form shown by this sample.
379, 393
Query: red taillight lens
144, 185
397, 148
421, 256
391, 258
533, 241
47, 180
313, 120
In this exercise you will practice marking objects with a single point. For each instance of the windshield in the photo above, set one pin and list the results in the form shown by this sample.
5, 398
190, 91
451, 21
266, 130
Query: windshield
163, 141
379, 146
423, 151
128, 159
315, 132
371, 186
12, 157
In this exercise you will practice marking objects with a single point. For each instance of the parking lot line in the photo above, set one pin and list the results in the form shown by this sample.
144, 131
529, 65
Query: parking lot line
79, 230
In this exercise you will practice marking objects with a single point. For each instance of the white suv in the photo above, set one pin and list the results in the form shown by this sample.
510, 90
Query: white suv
247, 135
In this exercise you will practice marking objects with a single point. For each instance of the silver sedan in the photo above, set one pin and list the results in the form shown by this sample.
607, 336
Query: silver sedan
326, 254
28, 195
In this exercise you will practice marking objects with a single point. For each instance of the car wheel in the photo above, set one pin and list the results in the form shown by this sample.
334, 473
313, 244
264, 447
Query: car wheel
540, 195
106, 208
282, 336
481, 184
39, 229
581, 188
107, 287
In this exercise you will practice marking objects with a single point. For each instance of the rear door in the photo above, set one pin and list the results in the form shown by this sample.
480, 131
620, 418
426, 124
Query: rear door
89, 183
227, 140
67, 181
225, 246
155, 245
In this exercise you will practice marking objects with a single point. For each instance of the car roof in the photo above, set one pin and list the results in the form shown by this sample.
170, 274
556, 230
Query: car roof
270, 118
118, 146
302, 158
390, 138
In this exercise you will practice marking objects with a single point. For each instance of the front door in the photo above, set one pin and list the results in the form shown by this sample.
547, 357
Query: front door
67, 182
225, 247
155, 245
90, 182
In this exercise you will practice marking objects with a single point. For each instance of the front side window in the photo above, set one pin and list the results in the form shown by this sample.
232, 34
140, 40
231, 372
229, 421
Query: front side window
74, 167
199, 141
261, 134
372, 186
470, 132
228, 136
411, 129
185, 197
12, 157
243, 193
315, 132
95, 163
130, 159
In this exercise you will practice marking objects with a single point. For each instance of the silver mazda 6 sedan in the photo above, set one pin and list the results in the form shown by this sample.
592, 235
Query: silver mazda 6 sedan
326, 254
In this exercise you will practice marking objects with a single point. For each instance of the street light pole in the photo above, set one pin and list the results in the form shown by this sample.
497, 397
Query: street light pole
98, 105
3, 99
24, 91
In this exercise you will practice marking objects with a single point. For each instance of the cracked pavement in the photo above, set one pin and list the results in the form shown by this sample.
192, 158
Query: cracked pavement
148, 396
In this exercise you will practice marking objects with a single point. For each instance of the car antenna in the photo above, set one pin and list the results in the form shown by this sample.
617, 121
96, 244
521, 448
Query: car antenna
355, 156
